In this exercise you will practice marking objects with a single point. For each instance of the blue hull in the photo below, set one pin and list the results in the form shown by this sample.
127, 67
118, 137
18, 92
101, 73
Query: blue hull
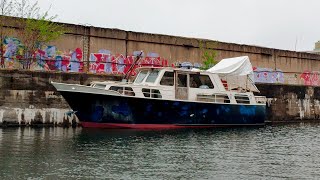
108, 109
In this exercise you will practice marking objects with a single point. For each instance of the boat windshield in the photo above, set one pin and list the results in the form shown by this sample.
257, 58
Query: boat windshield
152, 76
141, 76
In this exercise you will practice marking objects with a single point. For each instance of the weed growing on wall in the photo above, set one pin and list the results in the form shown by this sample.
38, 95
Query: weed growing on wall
208, 55
37, 28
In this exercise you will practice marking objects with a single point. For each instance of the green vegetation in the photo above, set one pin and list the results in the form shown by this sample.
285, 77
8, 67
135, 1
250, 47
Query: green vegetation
208, 55
6, 9
36, 27
40, 31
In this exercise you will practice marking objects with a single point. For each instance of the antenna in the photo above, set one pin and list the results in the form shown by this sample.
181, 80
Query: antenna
127, 75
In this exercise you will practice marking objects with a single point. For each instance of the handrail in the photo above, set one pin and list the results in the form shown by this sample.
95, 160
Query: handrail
216, 97
261, 99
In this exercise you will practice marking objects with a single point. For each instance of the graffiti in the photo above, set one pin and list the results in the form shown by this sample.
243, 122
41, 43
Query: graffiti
46, 58
310, 78
76, 63
187, 65
268, 75
105, 62
50, 58
12, 49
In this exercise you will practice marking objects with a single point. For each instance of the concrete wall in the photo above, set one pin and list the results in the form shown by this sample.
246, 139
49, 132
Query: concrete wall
289, 79
292, 65
291, 103
297, 68
28, 98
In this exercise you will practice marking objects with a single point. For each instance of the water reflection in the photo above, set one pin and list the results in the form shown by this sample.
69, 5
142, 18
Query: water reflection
289, 151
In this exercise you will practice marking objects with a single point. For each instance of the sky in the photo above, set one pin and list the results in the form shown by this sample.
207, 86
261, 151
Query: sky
280, 24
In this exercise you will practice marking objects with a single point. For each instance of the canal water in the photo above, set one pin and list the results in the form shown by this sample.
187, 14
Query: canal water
271, 152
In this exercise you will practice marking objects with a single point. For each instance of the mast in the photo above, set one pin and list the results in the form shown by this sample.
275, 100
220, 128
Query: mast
128, 73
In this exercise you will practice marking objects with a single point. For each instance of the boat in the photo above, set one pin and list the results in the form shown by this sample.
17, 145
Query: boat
168, 97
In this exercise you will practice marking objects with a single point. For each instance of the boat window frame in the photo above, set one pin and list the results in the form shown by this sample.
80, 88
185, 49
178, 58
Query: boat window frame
124, 90
151, 93
144, 78
215, 98
166, 78
154, 78
242, 98
182, 80
99, 86
203, 85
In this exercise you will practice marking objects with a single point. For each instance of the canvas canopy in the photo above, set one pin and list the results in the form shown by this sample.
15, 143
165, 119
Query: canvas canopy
238, 66
237, 72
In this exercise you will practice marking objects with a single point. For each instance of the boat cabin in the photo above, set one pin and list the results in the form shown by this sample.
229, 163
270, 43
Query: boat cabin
181, 84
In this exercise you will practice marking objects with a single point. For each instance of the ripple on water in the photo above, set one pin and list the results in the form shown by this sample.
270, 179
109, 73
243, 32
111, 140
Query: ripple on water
290, 151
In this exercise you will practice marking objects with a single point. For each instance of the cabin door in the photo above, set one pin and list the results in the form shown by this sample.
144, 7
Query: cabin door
181, 86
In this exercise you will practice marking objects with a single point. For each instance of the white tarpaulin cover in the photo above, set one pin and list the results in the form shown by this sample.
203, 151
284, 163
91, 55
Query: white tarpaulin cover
238, 66
237, 71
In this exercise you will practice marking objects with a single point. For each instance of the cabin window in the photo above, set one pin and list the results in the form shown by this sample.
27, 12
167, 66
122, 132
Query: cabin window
242, 99
100, 86
153, 93
218, 98
123, 90
182, 80
222, 98
115, 88
200, 81
167, 79
146, 92
152, 76
129, 91
141, 76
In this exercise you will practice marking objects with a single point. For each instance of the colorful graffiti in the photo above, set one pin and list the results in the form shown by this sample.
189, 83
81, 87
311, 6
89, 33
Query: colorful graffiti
268, 75
49, 58
310, 78
45, 58
105, 62
12, 50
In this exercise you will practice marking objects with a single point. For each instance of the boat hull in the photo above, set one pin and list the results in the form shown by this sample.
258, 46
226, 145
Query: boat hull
112, 111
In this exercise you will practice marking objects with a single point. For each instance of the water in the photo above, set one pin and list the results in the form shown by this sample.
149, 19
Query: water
280, 152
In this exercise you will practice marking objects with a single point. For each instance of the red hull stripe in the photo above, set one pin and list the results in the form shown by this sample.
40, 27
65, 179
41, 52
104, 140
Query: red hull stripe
154, 126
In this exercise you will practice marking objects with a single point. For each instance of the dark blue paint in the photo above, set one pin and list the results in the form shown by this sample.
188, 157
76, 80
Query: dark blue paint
248, 111
97, 114
122, 109
154, 111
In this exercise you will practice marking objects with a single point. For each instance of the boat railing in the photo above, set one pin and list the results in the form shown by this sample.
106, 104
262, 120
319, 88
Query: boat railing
216, 97
242, 98
261, 99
